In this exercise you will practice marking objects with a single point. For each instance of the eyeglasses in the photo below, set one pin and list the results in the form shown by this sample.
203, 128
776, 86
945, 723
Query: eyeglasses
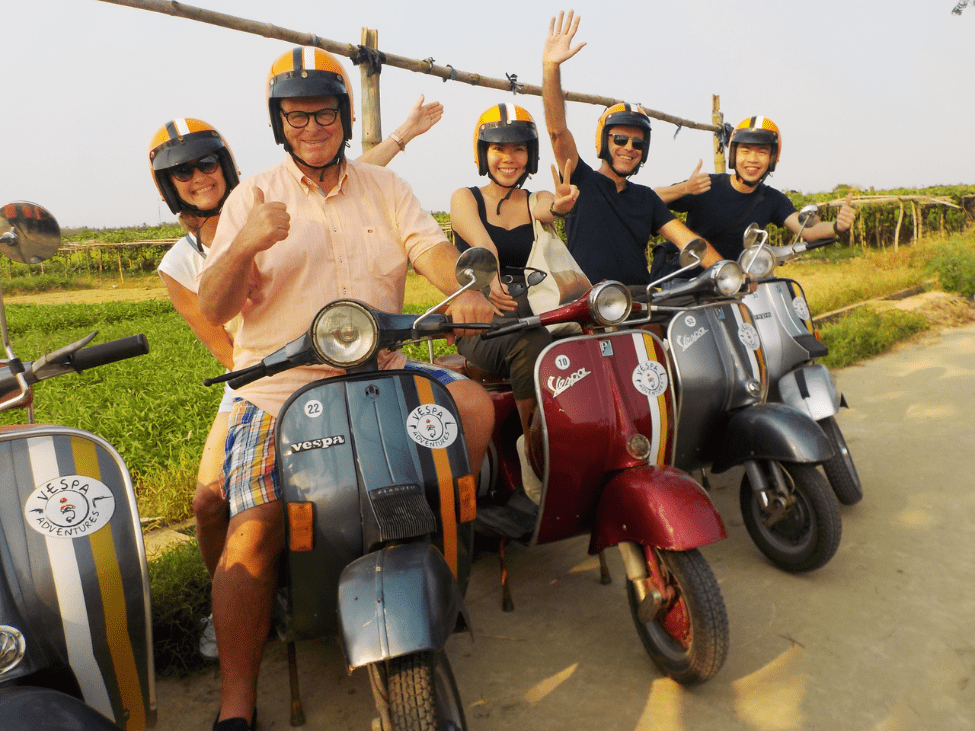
621, 140
184, 171
299, 120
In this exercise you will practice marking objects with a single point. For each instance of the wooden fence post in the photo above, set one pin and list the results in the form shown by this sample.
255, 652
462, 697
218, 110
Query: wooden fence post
372, 131
717, 119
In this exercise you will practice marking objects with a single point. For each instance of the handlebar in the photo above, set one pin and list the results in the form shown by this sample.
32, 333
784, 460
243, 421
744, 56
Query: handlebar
110, 352
820, 242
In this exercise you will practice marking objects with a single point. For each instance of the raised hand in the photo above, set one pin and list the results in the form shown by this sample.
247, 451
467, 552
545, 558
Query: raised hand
698, 182
267, 223
566, 194
847, 214
558, 45
421, 118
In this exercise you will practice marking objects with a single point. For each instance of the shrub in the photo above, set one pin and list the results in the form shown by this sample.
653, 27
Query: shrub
954, 263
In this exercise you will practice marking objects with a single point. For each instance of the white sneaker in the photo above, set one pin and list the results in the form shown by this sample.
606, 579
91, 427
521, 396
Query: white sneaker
529, 480
208, 639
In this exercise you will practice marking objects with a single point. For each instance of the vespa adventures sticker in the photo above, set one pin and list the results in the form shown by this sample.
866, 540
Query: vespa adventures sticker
650, 378
432, 426
748, 335
70, 506
801, 308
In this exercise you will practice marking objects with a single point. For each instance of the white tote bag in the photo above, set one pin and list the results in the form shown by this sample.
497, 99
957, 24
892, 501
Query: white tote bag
565, 282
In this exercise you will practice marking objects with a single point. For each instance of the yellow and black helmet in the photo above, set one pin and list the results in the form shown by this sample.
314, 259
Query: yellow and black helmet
504, 123
184, 140
756, 131
623, 113
304, 72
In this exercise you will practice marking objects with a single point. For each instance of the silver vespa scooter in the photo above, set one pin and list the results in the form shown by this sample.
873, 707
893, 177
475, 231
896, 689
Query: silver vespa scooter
789, 335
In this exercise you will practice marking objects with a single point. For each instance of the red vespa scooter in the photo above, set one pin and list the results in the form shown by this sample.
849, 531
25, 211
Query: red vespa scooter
607, 438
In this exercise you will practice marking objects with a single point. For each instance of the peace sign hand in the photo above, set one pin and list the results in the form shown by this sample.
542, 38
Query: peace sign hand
566, 194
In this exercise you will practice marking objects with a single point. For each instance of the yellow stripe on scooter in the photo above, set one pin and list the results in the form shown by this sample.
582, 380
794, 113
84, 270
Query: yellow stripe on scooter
445, 479
658, 404
113, 599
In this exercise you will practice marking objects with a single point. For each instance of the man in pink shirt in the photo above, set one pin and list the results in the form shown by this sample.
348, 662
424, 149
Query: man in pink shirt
313, 229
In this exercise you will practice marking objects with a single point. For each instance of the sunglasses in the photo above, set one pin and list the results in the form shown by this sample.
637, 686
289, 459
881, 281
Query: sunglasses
532, 277
184, 172
621, 140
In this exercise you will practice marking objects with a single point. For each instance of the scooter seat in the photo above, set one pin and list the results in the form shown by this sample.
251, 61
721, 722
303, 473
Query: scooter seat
459, 364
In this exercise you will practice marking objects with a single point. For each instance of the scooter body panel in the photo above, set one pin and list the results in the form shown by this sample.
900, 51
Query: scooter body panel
74, 568
395, 601
720, 366
597, 392
655, 506
771, 432
811, 389
378, 457
785, 324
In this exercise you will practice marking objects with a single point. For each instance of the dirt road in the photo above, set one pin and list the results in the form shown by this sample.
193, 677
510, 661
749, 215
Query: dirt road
881, 639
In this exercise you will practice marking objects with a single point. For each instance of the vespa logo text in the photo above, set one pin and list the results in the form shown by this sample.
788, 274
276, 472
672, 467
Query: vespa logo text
686, 341
559, 385
317, 444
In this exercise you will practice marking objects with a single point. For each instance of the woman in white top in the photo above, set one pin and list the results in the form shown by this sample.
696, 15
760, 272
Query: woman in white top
194, 172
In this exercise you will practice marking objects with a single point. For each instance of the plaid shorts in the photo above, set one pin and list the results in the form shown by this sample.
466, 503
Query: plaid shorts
251, 479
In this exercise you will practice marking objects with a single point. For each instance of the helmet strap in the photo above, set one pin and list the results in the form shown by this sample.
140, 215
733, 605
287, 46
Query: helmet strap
339, 157
511, 188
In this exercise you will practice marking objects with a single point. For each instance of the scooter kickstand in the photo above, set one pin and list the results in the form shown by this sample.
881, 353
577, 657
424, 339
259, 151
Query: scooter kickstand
507, 605
297, 711
604, 575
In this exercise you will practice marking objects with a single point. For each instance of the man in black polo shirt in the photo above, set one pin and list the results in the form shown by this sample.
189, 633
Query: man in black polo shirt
721, 207
612, 223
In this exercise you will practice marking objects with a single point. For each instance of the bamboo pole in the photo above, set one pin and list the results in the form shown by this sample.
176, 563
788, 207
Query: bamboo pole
372, 130
717, 119
900, 220
426, 66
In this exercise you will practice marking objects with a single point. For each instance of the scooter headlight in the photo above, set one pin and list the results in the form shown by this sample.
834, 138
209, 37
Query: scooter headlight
12, 648
759, 261
345, 334
727, 278
610, 303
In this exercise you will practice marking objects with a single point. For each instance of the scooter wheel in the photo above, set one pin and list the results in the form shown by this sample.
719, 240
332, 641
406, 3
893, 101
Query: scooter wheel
805, 537
687, 636
840, 470
423, 694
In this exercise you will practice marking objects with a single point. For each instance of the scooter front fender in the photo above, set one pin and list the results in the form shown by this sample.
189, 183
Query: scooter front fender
772, 431
811, 389
26, 708
395, 601
655, 506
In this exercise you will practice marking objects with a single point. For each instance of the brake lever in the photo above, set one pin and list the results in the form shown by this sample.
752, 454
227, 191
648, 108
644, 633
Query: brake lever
58, 363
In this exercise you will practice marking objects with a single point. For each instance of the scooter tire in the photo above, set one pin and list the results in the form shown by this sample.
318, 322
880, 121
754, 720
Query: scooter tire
689, 638
423, 693
807, 537
840, 470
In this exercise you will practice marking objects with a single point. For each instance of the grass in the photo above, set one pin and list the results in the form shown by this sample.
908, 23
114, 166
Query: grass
865, 333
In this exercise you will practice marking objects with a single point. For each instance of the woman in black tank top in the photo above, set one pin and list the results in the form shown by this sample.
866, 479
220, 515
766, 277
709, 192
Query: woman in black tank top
497, 217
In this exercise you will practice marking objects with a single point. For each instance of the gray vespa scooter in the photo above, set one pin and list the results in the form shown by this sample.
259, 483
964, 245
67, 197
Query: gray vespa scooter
721, 377
379, 505
789, 336
75, 624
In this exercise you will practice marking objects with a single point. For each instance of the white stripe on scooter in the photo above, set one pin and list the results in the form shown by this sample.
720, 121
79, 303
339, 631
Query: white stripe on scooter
71, 598
752, 360
640, 346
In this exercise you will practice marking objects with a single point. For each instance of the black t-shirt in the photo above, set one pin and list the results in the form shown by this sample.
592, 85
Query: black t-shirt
710, 214
608, 232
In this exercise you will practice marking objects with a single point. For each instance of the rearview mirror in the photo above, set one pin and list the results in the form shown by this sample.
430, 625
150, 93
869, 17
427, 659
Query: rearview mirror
30, 233
809, 215
477, 264
693, 253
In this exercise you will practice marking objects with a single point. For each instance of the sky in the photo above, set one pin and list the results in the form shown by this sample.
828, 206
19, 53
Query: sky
866, 93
